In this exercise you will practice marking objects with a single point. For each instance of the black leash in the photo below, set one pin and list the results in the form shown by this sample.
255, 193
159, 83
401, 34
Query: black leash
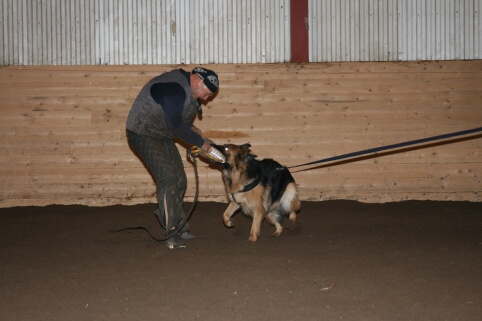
393, 146
193, 157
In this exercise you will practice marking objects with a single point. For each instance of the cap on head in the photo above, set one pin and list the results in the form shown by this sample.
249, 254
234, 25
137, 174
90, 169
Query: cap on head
209, 78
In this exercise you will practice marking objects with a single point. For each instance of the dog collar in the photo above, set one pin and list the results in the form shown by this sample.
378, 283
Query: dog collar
247, 188
251, 185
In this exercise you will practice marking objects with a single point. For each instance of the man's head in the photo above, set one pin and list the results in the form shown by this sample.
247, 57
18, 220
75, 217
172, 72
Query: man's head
204, 83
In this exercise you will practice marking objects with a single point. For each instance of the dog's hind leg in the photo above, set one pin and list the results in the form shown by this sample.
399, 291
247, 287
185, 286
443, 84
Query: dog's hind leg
274, 217
292, 223
293, 207
228, 213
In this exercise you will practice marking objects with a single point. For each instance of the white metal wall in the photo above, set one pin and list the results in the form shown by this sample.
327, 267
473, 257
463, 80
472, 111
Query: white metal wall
392, 30
85, 32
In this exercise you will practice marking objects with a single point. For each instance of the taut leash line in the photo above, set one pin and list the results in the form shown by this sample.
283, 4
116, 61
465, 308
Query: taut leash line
393, 146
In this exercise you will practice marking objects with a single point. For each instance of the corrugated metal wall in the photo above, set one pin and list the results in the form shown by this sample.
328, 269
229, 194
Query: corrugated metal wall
392, 30
86, 32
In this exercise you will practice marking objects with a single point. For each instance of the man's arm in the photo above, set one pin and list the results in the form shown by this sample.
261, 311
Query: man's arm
171, 97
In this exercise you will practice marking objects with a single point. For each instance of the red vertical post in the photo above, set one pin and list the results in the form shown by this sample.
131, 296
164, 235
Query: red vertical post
299, 31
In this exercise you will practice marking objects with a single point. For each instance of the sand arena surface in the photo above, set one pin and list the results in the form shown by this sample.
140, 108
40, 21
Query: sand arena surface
344, 261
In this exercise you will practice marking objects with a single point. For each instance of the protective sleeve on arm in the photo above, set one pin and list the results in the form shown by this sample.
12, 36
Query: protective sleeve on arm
171, 97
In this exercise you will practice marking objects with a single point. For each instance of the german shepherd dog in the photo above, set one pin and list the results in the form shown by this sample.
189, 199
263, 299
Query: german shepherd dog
261, 188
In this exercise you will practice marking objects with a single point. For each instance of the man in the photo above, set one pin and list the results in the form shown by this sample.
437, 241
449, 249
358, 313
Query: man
165, 109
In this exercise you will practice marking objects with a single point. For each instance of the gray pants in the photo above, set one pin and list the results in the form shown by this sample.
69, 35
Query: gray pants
164, 162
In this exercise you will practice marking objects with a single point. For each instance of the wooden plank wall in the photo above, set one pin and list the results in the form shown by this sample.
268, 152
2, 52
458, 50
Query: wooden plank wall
63, 139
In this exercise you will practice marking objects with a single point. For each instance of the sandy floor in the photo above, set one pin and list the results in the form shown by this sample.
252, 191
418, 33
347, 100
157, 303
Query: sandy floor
345, 261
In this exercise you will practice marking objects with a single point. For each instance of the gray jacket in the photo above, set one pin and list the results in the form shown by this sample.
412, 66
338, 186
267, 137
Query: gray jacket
147, 117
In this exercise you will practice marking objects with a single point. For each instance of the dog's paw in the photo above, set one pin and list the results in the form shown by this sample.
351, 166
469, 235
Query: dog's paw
252, 238
229, 224
278, 230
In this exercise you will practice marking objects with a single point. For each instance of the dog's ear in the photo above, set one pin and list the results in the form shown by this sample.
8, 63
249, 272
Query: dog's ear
245, 147
246, 154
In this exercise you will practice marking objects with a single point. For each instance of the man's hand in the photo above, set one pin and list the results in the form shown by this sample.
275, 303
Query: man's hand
212, 153
208, 151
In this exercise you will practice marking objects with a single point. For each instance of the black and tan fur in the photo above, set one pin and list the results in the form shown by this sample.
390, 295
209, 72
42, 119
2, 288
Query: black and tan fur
262, 189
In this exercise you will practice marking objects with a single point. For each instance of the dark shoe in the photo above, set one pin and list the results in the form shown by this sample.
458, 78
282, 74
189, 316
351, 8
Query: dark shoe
175, 242
186, 235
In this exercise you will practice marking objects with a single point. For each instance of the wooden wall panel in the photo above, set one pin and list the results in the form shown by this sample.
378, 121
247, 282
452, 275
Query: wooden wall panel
62, 130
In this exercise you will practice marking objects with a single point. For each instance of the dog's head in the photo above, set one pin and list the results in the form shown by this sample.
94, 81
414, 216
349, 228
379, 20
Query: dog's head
236, 155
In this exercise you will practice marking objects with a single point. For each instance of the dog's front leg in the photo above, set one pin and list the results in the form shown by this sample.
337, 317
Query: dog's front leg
258, 216
228, 213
